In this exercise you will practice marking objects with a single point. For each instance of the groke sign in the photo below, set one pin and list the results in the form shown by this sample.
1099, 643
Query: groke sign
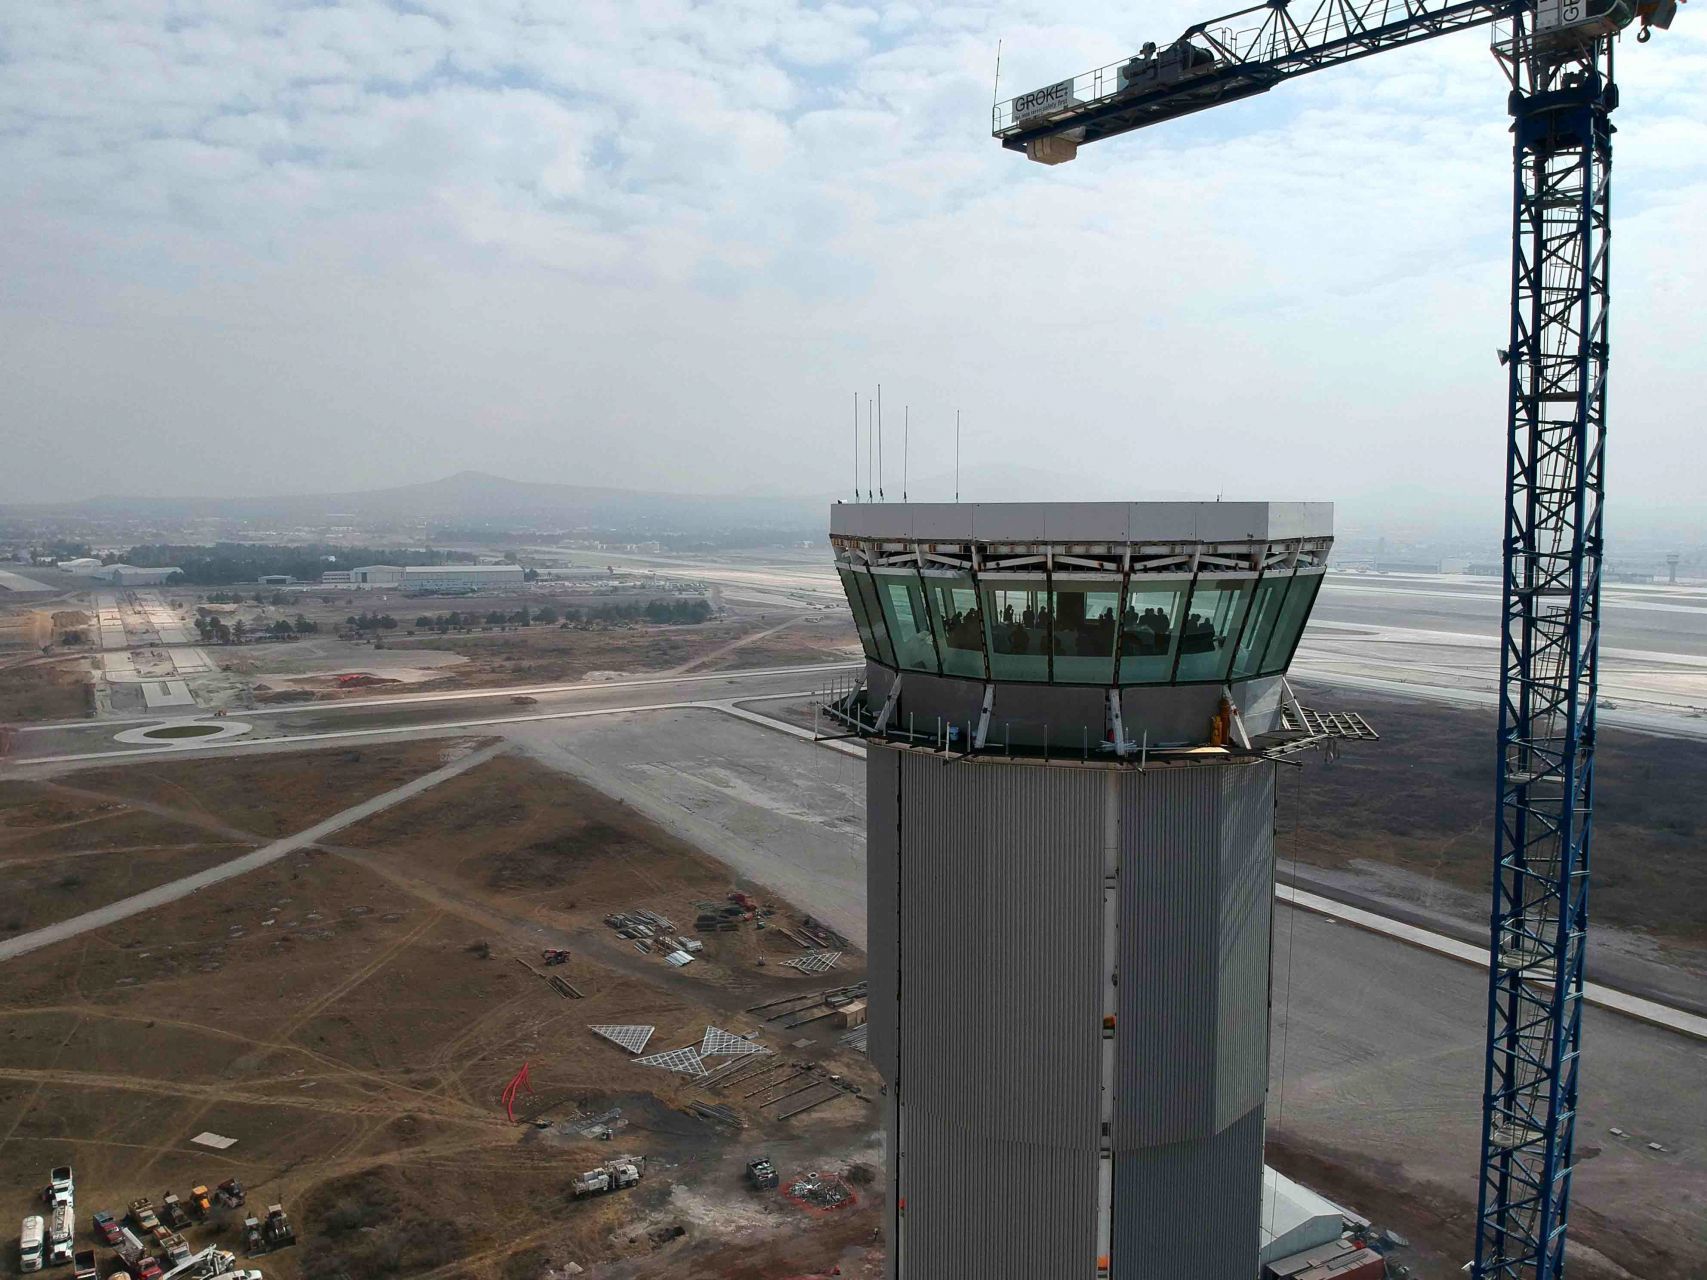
1042, 101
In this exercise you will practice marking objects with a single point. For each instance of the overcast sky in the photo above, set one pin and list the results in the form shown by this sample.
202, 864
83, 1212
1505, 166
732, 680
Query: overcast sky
279, 247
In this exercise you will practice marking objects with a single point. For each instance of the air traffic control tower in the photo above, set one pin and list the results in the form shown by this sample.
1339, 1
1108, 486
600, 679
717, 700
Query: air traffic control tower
1071, 713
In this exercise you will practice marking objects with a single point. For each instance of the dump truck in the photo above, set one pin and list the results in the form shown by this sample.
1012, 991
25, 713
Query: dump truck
142, 1214
276, 1230
61, 1186
177, 1249
83, 1265
201, 1204
612, 1175
172, 1211
762, 1174
30, 1243
130, 1247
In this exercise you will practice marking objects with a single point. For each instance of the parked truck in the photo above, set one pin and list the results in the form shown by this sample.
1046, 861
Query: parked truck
83, 1265
30, 1243
172, 1211
276, 1230
61, 1186
106, 1227
60, 1228
142, 1214
612, 1175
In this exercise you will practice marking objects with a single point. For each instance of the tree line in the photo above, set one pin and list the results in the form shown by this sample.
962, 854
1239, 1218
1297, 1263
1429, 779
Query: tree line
660, 612
214, 629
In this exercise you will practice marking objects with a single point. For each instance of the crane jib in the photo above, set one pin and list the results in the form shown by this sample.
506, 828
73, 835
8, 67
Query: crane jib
1240, 64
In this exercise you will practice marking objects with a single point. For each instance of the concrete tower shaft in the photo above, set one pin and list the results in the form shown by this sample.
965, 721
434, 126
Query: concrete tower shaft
1071, 870
1069, 971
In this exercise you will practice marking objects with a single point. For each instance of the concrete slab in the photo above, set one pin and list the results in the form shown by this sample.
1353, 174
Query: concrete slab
167, 693
18, 582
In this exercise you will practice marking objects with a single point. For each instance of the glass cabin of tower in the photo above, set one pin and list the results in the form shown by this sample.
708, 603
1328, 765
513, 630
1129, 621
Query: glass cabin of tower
1139, 598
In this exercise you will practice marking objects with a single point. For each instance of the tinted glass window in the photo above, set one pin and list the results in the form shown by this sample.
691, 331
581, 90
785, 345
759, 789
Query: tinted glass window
1260, 620
1016, 626
874, 615
1149, 629
959, 623
1211, 627
856, 603
909, 625
1293, 615
1082, 634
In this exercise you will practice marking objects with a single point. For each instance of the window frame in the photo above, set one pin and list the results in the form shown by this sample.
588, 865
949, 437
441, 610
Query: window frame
1248, 578
881, 576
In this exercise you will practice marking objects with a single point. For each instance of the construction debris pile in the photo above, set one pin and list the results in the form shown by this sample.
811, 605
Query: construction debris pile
821, 1191
652, 933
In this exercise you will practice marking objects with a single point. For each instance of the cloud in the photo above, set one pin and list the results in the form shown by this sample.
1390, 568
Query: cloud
659, 243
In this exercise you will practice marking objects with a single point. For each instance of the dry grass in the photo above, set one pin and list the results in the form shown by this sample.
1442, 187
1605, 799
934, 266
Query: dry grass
333, 1012
1423, 798
44, 691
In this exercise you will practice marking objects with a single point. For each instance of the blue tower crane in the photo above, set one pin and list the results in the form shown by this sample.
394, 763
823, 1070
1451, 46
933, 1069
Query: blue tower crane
1557, 56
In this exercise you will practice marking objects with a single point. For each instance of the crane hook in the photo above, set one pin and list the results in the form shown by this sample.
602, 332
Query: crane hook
1644, 35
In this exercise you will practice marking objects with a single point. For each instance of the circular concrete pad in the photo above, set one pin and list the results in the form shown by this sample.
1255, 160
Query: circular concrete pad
184, 732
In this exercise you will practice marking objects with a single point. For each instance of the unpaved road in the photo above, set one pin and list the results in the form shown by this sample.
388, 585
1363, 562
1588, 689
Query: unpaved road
160, 895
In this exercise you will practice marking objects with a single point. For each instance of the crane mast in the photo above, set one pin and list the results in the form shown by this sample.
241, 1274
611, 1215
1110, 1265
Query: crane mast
1562, 97
1558, 58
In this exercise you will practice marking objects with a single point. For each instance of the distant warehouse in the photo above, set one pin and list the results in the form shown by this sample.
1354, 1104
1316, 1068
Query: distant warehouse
429, 577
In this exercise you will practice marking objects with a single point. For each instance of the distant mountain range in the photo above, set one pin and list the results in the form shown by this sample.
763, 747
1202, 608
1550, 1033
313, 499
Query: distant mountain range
470, 498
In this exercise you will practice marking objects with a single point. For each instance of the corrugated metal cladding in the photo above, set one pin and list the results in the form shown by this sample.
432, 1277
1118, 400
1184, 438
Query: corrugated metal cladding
1247, 901
1165, 1031
1001, 948
1191, 1211
980, 1207
882, 870
1191, 1042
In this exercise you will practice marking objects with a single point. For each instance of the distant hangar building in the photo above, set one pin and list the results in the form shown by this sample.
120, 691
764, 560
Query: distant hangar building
429, 577
1070, 862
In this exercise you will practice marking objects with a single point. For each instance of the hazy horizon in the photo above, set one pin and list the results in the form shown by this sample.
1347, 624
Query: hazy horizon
352, 247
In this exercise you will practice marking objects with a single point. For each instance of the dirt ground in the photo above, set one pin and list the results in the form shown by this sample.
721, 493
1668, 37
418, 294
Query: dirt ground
351, 1015
541, 655
44, 690
1423, 798
261, 795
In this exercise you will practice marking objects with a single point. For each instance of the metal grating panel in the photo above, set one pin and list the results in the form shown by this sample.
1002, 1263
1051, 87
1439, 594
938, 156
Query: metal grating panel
726, 1044
685, 1062
628, 1036
815, 961
1327, 724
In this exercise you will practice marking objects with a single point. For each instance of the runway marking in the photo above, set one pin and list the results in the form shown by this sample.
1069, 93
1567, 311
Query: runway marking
1604, 997
469, 695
